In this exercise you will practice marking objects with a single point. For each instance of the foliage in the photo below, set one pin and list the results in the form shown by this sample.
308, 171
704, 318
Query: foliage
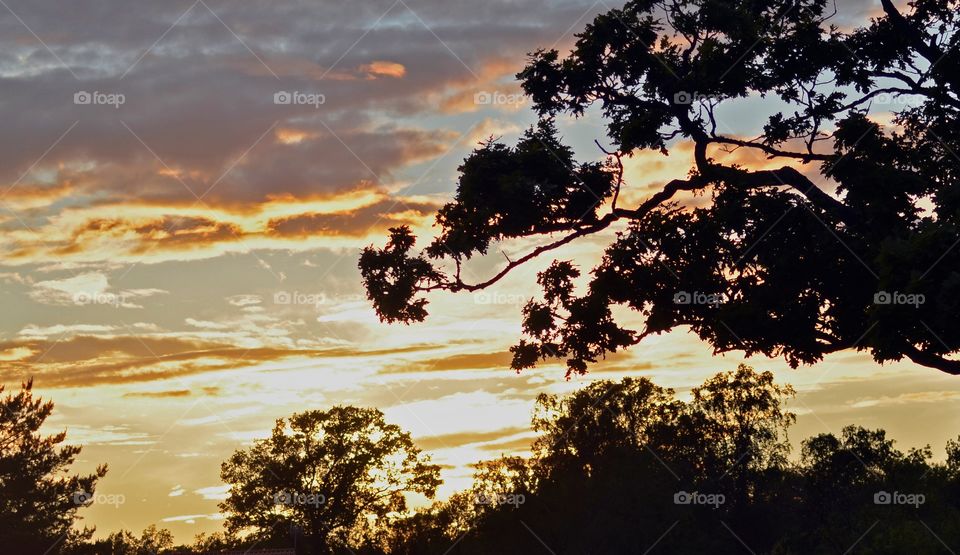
617, 467
39, 499
613, 486
152, 541
324, 476
849, 245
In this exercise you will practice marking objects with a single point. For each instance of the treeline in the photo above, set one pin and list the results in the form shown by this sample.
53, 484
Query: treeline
625, 467
617, 467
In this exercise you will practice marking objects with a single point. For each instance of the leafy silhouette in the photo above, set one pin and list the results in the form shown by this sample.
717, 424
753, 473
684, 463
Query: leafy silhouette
39, 499
625, 467
325, 476
152, 541
618, 468
790, 263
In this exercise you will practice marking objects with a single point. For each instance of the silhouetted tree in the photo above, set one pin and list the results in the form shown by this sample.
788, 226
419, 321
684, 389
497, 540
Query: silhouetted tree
217, 541
780, 262
39, 499
842, 478
623, 467
617, 467
326, 473
595, 422
743, 425
152, 541
429, 530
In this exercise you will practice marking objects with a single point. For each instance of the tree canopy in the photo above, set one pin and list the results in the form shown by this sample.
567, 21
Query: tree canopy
39, 498
618, 467
851, 244
625, 467
324, 476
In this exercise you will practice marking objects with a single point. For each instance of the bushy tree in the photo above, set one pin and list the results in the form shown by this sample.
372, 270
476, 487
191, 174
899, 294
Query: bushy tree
742, 425
601, 420
851, 244
620, 467
39, 498
152, 541
323, 476
217, 541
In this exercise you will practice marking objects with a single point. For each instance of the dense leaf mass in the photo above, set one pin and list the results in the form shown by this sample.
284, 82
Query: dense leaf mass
851, 244
622, 467
628, 468
39, 498
325, 476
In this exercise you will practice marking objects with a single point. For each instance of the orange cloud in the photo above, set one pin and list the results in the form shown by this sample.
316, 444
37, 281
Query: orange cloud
381, 68
160, 394
467, 438
166, 232
463, 361
381, 215
211, 390
150, 232
88, 360
491, 81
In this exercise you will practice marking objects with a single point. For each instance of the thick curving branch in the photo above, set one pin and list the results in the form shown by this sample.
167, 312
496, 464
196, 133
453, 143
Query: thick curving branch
935, 361
665, 194
785, 176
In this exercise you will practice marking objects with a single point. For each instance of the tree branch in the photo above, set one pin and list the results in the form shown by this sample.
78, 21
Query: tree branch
785, 176
773, 152
931, 360
668, 191
926, 48
600, 225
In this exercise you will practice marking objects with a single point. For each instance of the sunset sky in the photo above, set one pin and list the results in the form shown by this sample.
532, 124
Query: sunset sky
180, 242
